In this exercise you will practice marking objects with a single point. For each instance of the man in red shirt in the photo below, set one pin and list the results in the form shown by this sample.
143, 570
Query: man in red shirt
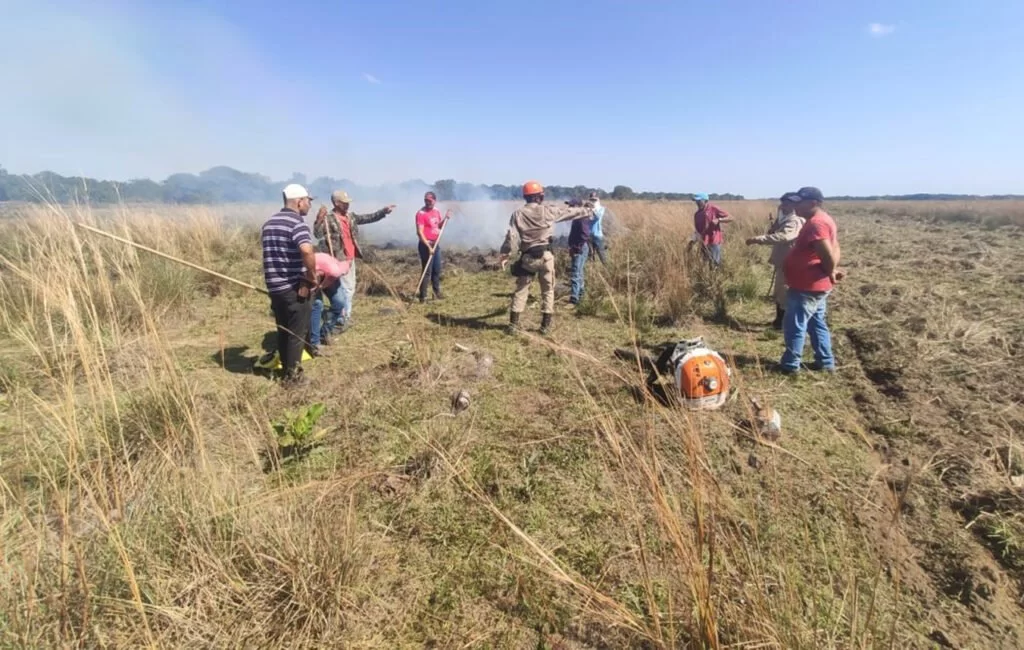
811, 270
707, 226
338, 231
428, 229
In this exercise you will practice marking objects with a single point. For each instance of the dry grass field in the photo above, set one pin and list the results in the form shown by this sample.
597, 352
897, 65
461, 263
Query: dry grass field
145, 500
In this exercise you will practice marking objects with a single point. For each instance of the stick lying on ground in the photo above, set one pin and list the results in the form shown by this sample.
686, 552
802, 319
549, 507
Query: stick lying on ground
170, 257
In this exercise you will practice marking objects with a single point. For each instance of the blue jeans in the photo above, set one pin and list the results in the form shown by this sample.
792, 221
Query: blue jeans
579, 263
434, 274
805, 312
598, 243
715, 253
339, 306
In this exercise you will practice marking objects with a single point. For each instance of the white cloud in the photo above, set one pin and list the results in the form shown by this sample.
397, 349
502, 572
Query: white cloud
369, 77
878, 30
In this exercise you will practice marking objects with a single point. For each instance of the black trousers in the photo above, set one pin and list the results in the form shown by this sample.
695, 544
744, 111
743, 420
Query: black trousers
292, 314
433, 276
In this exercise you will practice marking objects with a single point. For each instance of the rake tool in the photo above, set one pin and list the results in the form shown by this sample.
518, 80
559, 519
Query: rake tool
430, 259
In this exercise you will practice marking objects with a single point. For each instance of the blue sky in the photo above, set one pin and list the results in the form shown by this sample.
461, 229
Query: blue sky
737, 95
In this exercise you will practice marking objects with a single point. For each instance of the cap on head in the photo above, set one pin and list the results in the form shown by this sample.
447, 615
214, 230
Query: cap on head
295, 191
700, 196
340, 196
790, 197
532, 188
810, 194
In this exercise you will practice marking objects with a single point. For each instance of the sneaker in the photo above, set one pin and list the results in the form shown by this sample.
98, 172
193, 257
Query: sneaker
817, 367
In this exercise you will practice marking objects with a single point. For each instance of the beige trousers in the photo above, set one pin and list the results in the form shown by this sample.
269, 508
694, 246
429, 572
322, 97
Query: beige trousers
780, 287
544, 267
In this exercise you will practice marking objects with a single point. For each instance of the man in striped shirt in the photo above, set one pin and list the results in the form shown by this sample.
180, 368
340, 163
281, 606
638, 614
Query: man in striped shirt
289, 268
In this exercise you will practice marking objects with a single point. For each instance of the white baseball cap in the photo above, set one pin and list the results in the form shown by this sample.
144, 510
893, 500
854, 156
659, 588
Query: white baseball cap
295, 191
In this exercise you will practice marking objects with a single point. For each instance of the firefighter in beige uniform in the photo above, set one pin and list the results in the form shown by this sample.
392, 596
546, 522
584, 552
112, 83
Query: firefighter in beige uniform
781, 237
530, 230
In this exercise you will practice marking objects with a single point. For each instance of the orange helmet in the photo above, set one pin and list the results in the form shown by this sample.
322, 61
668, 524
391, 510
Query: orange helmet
532, 187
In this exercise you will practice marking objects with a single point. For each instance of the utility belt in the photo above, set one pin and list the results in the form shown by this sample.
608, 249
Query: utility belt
532, 254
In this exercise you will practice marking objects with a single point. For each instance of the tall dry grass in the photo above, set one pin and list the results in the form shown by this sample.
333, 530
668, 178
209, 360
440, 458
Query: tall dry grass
667, 279
134, 513
989, 214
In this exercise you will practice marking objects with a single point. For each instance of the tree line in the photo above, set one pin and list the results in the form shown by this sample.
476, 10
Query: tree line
227, 185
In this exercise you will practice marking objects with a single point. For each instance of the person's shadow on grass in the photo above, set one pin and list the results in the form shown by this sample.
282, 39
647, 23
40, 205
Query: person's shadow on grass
469, 322
239, 359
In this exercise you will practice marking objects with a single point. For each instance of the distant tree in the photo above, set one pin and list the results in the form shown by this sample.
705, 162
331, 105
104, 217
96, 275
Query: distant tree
622, 193
142, 190
445, 190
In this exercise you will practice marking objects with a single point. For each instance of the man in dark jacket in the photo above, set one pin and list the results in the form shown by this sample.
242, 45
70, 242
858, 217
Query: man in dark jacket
579, 248
338, 233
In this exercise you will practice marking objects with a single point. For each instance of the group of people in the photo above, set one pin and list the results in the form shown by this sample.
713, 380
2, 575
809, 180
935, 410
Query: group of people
805, 255
299, 274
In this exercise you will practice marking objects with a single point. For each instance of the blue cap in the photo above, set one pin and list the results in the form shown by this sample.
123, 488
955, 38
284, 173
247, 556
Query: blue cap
810, 194
700, 196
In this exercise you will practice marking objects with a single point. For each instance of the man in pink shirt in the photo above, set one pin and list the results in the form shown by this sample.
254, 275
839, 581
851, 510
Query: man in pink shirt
428, 229
707, 227
811, 272
329, 271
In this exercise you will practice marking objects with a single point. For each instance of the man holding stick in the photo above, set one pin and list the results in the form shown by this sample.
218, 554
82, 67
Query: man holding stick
781, 236
289, 269
341, 230
707, 227
429, 225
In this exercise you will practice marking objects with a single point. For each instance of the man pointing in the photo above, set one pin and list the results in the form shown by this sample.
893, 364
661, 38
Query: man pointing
342, 230
530, 231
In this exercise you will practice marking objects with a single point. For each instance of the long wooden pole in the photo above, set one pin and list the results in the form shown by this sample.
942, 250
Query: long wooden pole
431, 258
190, 265
170, 257
327, 227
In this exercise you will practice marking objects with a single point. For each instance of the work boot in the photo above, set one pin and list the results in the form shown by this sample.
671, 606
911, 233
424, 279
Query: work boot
423, 298
438, 295
780, 313
314, 351
513, 323
545, 324
294, 379
325, 338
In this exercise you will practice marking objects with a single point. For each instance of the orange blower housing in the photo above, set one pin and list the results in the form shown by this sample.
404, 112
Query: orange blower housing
701, 375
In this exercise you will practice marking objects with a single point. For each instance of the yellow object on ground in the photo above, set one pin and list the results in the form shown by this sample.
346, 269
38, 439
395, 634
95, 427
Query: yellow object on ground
272, 360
